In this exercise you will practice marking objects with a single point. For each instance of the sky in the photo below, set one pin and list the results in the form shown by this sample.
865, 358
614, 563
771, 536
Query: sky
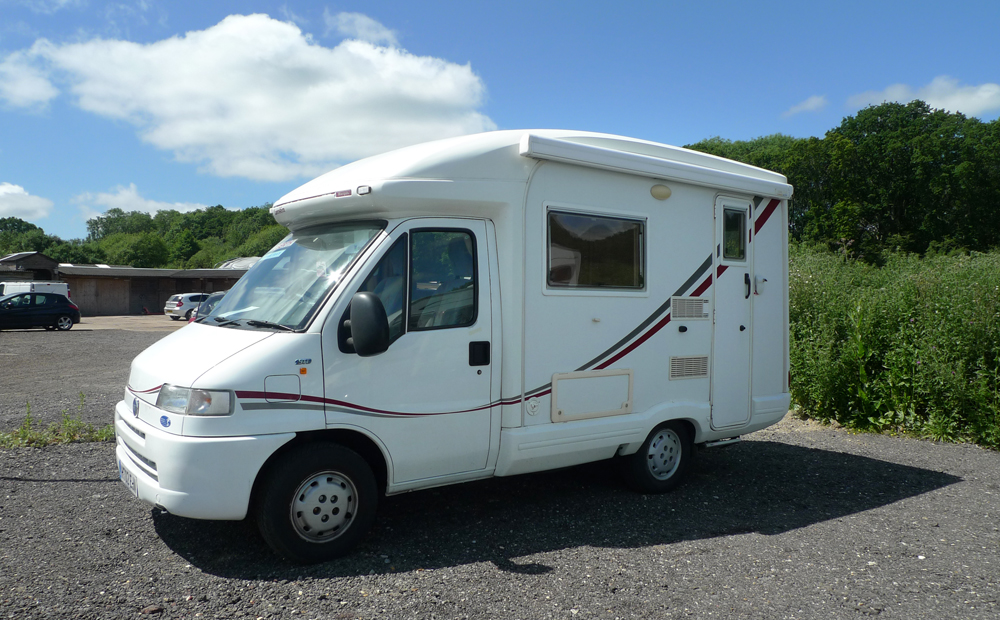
149, 105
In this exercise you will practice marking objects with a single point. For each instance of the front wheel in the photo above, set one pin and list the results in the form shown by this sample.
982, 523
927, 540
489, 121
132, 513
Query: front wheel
316, 503
662, 461
64, 323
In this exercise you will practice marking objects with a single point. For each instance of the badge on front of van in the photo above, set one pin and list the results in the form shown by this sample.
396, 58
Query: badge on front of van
164, 421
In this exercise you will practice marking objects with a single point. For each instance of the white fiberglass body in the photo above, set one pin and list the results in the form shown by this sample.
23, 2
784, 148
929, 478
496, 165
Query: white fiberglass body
549, 297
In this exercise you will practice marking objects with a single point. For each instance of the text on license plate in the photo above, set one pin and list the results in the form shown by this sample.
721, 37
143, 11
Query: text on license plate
128, 479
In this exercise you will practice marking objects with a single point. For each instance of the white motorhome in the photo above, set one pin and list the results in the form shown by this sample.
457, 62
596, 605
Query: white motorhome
488, 305
17, 286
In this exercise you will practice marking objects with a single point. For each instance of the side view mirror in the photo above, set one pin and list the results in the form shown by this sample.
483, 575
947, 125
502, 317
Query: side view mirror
369, 325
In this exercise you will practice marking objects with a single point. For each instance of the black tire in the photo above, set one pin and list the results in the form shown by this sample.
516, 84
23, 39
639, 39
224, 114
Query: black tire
187, 315
174, 318
338, 488
663, 460
64, 323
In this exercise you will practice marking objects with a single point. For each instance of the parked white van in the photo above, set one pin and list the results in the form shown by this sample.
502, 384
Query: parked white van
17, 286
488, 305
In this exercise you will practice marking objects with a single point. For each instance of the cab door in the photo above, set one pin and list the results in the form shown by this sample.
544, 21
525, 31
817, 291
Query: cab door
428, 398
733, 287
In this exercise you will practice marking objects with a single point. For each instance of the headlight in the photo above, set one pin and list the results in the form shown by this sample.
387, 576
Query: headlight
190, 401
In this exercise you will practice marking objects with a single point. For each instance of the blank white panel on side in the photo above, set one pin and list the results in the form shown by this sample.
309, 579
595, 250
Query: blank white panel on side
591, 394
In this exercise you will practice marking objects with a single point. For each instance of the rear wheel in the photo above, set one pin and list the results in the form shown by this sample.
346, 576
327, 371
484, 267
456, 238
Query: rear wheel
316, 503
64, 323
663, 460
187, 316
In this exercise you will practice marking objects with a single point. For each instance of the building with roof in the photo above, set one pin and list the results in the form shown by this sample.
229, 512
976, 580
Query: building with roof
102, 290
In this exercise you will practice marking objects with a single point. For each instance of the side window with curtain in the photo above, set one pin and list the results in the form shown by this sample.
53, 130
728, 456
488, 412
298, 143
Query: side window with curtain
595, 252
443, 284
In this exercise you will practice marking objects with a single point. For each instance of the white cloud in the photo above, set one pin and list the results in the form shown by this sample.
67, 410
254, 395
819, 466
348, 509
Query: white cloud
943, 92
812, 104
360, 27
16, 202
127, 199
23, 78
255, 97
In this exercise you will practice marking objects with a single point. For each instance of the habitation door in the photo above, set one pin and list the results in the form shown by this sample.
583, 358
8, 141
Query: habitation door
733, 298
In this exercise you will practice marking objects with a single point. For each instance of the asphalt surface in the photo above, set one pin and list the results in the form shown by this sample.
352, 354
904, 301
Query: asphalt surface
799, 521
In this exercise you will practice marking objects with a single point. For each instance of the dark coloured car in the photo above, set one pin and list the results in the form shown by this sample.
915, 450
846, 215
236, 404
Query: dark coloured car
205, 308
48, 310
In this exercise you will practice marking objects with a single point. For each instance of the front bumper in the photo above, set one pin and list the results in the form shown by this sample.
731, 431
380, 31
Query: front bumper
196, 477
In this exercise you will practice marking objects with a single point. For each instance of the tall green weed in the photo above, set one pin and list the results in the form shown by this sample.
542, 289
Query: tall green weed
912, 346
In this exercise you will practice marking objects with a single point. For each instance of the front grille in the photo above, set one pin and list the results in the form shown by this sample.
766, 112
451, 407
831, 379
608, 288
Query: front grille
150, 466
133, 429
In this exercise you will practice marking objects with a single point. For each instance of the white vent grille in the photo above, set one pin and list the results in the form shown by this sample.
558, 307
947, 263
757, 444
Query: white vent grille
688, 307
689, 367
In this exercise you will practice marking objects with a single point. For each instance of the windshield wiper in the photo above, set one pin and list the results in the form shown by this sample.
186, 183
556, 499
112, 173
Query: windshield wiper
256, 323
223, 322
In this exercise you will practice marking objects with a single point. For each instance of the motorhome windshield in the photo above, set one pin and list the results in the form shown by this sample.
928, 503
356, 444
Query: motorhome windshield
288, 284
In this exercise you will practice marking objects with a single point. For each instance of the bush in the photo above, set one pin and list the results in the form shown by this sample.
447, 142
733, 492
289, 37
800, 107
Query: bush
912, 346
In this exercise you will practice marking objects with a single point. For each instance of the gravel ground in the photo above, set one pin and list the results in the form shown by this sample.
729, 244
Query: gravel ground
50, 370
800, 521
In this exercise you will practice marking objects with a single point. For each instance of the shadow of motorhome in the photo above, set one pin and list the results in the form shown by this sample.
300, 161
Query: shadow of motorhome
761, 486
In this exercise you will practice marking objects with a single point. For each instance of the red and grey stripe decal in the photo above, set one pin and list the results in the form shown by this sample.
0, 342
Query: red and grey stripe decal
696, 284
295, 401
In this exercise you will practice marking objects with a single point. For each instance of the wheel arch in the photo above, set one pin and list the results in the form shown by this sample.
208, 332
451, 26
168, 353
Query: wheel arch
365, 446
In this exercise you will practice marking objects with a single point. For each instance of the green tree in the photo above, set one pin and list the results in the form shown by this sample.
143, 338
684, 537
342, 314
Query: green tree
136, 250
213, 251
262, 241
115, 221
183, 247
77, 251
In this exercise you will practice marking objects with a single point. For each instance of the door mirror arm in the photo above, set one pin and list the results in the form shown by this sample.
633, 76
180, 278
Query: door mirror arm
368, 325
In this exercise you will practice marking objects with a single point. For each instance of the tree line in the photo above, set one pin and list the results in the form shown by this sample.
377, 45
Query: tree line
197, 239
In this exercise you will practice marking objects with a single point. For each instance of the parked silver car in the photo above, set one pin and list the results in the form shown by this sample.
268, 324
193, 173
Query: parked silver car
182, 305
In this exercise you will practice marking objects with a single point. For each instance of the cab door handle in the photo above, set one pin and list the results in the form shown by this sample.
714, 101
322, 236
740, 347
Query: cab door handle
746, 281
479, 353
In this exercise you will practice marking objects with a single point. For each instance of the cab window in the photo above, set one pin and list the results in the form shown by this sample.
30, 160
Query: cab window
442, 279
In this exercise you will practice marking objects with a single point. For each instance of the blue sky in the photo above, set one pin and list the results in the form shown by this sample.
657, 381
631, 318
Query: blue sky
148, 104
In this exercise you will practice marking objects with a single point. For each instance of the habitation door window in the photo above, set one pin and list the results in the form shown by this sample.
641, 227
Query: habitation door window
734, 234
592, 251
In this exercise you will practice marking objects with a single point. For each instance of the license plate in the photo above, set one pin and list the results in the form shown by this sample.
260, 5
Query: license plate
128, 479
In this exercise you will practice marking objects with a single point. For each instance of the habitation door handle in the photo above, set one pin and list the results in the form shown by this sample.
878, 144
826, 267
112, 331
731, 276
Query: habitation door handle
746, 281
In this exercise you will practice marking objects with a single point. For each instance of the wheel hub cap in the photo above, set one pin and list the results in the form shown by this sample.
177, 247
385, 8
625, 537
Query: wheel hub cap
323, 506
664, 455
